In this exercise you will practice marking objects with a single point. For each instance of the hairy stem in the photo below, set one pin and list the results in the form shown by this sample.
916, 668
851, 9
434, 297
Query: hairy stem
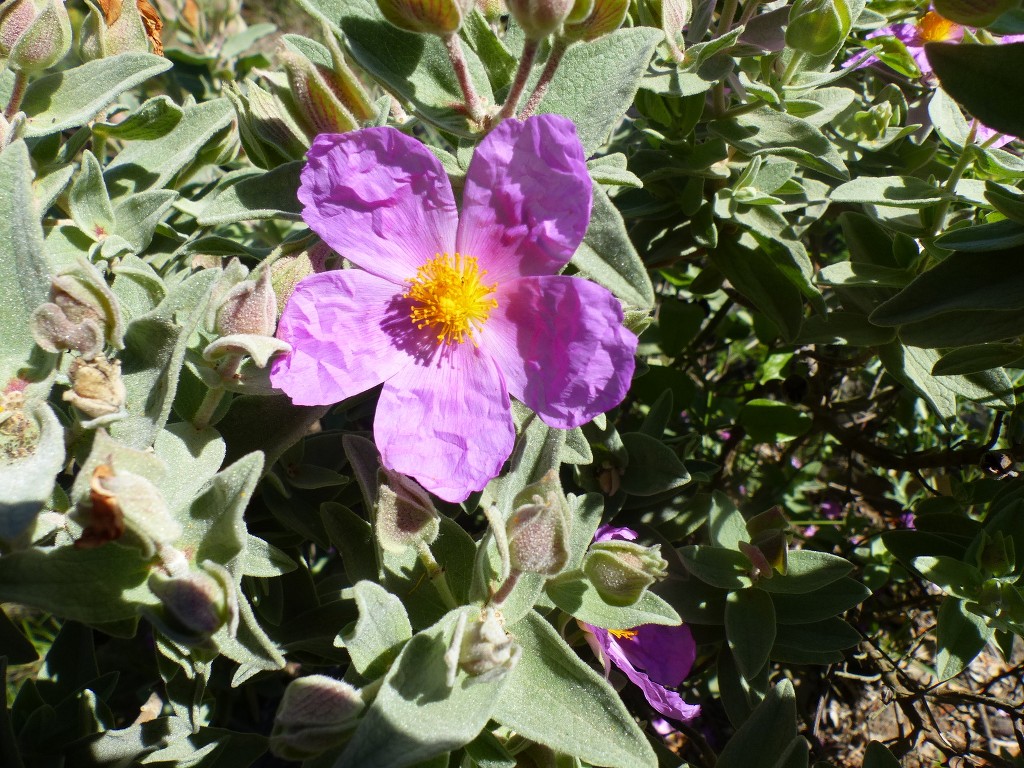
436, 575
554, 59
508, 109
458, 59
17, 94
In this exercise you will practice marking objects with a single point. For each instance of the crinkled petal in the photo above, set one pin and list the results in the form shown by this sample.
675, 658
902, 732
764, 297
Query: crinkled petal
610, 533
446, 421
666, 654
379, 198
527, 198
668, 703
561, 346
347, 330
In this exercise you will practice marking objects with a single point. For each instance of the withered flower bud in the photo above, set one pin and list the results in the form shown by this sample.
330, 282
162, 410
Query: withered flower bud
481, 648
96, 387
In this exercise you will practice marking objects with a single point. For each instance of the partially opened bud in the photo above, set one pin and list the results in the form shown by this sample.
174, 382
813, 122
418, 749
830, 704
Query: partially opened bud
404, 515
316, 713
432, 17
539, 18
119, 26
195, 605
82, 314
622, 570
314, 96
34, 34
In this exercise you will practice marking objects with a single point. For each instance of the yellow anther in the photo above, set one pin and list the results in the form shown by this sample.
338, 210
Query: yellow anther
449, 296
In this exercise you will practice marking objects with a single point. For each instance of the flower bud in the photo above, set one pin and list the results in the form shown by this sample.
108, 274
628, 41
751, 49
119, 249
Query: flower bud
404, 515
538, 531
481, 648
123, 502
34, 34
431, 17
96, 387
768, 548
314, 96
118, 26
249, 307
195, 605
539, 18
606, 17
818, 26
316, 713
81, 316
622, 570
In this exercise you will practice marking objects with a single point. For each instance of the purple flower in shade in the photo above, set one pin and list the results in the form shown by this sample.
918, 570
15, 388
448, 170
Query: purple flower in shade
654, 657
453, 313
930, 28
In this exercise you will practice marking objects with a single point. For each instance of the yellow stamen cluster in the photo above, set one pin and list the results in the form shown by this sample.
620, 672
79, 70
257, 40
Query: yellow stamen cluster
622, 634
934, 28
451, 297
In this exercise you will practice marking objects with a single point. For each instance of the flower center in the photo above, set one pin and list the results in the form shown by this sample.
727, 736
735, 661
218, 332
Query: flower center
622, 634
450, 297
934, 28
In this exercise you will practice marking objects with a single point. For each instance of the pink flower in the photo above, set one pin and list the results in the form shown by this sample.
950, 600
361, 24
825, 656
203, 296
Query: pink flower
453, 313
654, 657
930, 28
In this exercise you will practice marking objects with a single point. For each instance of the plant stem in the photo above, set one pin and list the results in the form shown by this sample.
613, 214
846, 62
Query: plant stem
962, 163
508, 109
458, 58
793, 66
17, 94
554, 59
505, 590
727, 16
206, 409
436, 575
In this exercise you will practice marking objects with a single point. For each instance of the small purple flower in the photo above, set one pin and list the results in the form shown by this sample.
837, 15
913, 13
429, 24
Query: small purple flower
453, 313
930, 28
654, 657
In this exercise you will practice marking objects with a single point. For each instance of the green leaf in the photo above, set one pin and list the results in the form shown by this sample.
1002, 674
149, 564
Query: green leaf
960, 636
769, 421
151, 120
956, 577
88, 200
726, 526
997, 236
894, 191
769, 131
653, 467
750, 629
877, 756
739, 696
768, 736
270, 195
596, 82
980, 357
807, 571
73, 97
27, 481
381, 631
153, 164
353, 538
821, 642
138, 216
416, 715
192, 457
724, 568
760, 279
555, 699
820, 604
608, 257
574, 594
848, 328
16, 647
88, 585
983, 78
23, 269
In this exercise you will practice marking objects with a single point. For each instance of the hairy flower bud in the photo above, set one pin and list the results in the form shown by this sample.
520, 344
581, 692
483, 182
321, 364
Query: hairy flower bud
96, 387
34, 34
818, 26
481, 648
431, 17
123, 502
622, 570
538, 531
539, 18
605, 18
120, 26
315, 96
316, 713
81, 315
195, 605
250, 307
404, 515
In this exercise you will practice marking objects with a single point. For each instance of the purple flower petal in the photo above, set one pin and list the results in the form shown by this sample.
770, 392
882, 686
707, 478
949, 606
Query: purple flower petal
610, 532
446, 421
561, 346
666, 654
380, 199
342, 328
668, 703
527, 199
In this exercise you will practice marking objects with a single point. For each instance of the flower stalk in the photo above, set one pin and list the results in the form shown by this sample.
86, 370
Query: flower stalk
458, 59
17, 94
508, 109
436, 575
540, 90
